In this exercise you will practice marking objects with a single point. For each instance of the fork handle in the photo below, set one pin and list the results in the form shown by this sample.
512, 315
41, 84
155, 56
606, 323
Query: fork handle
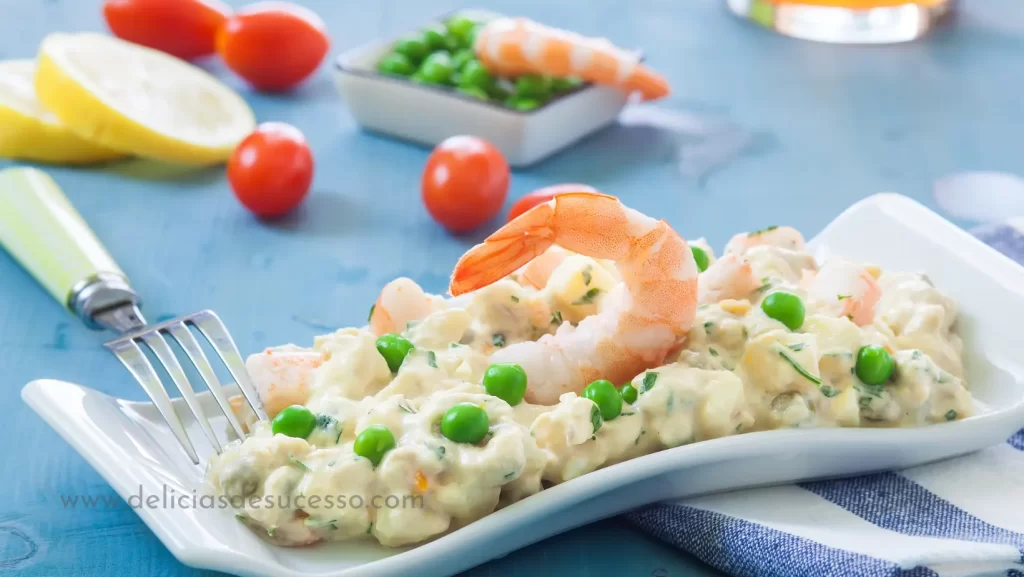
44, 232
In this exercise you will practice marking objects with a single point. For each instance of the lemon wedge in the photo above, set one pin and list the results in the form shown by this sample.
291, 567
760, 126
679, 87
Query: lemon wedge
138, 100
30, 132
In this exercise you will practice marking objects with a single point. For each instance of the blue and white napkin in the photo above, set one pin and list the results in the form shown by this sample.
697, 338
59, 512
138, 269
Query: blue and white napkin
961, 517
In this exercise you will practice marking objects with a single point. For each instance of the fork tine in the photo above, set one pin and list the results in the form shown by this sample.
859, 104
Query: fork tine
191, 347
155, 341
214, 330
138, 365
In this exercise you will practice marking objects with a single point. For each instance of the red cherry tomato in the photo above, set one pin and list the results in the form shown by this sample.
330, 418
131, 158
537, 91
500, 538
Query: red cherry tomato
464, 183
271, 169
184, 28
273, 45
542, 195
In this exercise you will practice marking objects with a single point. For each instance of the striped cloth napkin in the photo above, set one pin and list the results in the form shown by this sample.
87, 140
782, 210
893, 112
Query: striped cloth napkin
961, 517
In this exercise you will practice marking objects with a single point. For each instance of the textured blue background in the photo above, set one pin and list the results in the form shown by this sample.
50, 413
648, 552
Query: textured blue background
761, 130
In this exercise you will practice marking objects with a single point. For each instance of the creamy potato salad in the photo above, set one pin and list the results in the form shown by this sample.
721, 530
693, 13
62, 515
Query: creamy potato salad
401, 437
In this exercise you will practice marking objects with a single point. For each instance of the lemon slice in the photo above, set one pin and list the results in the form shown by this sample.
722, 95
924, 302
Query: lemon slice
138, 100
29, 132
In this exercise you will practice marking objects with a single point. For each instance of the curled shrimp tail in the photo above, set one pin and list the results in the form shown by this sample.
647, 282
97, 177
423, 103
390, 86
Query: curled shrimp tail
520, 241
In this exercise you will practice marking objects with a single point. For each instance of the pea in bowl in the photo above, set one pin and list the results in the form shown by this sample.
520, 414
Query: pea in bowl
425, 86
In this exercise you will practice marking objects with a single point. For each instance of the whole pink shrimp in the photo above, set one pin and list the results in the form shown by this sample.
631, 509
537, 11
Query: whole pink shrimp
516, 46
642, 320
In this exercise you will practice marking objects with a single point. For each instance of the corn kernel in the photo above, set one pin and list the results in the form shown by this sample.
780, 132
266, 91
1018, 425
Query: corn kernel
874, 270
736, 307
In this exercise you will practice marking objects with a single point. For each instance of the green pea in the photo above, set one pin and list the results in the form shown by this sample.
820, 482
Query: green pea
396, 63
462, 29
559, 85
437, 68
474, 74
506, 381
474, 92
787, 308
413, 48
533, 86
700, 257
434, 37
394, 349
606, 398
874, 365
465, 423
628, 393
295, 421
374, 442
461, 58
522, 104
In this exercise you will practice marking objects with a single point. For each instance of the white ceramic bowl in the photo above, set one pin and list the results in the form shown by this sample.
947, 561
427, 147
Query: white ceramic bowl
131, 446
429, 114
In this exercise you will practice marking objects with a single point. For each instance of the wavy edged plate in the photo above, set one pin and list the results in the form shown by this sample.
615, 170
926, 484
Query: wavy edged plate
130, 446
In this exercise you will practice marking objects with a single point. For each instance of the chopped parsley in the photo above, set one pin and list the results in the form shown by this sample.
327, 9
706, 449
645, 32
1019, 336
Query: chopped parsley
325, 421
762, 231
514, 298
432, 359
671, 401
588, 297
270, 531
798, 367
370, 528
511, 475
864, 402
411, 324
951, 415
841, 297
829, 391
797, 346
498, 340
708, 326
314, 523
556, 318
298, 463
242, 518
405, 407
370, 316
763, 287
713, 352
595, 417
650, 378
331, 463
439, 451
642, 433
586, 276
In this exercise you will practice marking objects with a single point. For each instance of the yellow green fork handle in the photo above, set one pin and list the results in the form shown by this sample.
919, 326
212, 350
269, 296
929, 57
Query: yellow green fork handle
44, 232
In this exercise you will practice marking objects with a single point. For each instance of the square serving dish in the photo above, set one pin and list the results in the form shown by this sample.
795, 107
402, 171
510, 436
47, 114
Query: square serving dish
429, 114
131, 447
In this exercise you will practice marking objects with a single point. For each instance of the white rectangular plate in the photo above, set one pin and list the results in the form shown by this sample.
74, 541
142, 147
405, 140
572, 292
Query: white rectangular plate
132, 448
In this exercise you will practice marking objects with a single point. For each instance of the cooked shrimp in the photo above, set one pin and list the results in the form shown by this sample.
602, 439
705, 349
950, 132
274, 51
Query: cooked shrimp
538, 271
780, 236
847, 289
282, 376
517, 46
730, 277
400, 301
642, 320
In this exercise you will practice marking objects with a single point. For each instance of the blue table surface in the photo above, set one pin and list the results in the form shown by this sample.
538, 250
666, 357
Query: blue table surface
760, 130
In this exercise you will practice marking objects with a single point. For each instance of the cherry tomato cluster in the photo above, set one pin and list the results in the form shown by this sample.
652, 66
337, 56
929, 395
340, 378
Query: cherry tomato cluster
466, 181
272, 45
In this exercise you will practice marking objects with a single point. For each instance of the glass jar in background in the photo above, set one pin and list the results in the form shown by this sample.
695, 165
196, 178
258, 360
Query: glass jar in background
846, 21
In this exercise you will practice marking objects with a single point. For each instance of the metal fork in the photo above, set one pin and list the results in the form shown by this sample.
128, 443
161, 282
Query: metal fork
40, 227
